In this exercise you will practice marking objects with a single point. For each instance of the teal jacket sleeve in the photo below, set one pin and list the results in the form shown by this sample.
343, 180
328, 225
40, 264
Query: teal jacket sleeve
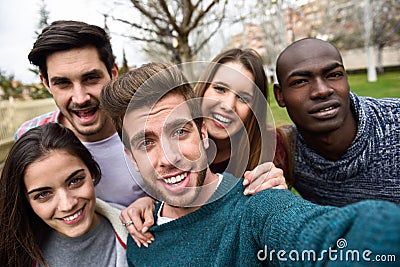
293, 231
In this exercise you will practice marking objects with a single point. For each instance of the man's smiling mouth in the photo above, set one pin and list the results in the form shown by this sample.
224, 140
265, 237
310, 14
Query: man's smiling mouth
176, 179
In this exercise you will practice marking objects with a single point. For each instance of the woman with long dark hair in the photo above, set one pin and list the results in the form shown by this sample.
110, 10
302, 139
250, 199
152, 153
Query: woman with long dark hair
49, 212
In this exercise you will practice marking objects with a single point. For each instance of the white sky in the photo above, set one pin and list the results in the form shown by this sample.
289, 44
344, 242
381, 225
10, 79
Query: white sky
19, 20
18, 23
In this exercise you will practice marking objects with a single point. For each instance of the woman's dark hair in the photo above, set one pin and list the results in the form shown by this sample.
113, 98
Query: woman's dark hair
21, 230
64, 35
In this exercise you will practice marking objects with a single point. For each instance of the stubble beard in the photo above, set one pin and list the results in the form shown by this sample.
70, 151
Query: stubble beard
89, 130
179, 201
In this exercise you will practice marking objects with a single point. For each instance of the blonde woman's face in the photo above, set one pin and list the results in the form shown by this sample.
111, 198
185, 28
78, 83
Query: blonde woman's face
227, 100
61, 192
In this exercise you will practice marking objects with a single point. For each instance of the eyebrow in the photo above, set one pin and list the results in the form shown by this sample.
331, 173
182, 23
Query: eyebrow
221, 83
140, 136
332, 67
58, 79
86, 74
72, 175
308, 73
170, 125
93, 72
178, 123
228, 87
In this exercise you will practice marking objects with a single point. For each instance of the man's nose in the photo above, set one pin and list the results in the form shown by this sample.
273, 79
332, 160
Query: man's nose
320, 88
170, 153
80, 95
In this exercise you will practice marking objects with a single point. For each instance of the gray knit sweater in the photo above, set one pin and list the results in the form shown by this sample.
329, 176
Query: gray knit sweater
369, 169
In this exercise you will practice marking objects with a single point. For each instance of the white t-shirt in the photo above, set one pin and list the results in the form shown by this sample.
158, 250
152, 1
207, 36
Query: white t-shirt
119, 183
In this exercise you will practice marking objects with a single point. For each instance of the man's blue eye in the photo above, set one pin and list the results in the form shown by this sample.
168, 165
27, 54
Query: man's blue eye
180, 131
219, 89
145, 144
243, 99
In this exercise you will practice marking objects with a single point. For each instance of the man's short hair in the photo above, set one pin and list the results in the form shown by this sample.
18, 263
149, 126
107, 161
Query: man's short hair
64, 35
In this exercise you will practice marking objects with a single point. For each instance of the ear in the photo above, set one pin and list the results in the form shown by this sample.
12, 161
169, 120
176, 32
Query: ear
45, 82
204, 135
278, 95
114, 71
131, 158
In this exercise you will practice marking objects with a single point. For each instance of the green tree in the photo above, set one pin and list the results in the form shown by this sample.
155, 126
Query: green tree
44, 17
39, 91
124, 68
9, 87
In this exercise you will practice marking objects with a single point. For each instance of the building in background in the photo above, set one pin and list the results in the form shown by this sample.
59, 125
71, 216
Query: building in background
340, 22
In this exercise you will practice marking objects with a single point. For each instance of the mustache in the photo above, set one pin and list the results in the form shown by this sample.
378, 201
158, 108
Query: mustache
92, 103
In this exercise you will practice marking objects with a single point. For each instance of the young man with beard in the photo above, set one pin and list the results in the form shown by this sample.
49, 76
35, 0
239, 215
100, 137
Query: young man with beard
344, 148
204, 219
75, 60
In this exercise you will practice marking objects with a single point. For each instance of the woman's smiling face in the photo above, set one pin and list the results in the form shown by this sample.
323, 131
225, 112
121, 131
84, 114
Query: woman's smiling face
61, 192
227, 100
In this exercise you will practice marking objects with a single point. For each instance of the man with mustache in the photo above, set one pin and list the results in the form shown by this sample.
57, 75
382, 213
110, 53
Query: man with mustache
75, 60
344, 148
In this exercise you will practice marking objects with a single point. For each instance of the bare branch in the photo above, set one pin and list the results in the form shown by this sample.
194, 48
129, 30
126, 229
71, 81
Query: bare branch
205, 41
201, 15
145, 12
148, 40
171, 19
180, 19
136, 26
187, 11
195, 6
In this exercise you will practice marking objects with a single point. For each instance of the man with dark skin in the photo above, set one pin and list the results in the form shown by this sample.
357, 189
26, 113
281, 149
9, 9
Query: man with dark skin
347, 148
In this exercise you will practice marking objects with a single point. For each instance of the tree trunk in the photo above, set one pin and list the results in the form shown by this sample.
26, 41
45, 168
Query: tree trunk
380, 69
185, 52
371, 70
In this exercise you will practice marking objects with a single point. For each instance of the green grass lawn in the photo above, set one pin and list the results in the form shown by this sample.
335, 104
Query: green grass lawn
388, 85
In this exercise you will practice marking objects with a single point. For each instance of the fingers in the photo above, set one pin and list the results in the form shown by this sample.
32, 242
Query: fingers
148, 220
140, 231
257, 176
247, 178
257, 172
273, 183
130, 227
263, 168
265, 179
132, 219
